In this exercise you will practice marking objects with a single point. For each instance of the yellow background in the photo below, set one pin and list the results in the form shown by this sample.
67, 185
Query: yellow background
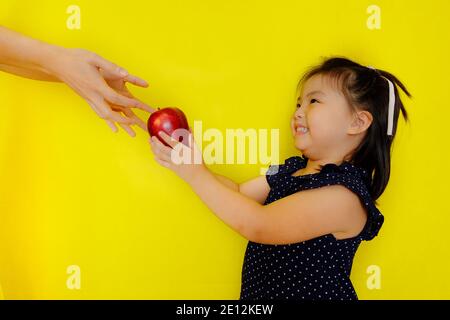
74, 193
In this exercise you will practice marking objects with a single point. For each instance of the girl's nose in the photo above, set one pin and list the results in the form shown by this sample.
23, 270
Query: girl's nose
298, 114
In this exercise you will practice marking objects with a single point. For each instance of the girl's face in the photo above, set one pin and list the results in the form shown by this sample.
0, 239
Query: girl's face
321, 120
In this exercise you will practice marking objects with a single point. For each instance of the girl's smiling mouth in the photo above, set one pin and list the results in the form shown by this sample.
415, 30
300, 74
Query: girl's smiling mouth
300, 129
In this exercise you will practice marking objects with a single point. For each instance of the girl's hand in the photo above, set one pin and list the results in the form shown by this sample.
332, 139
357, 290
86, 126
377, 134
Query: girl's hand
185, 161
101, 83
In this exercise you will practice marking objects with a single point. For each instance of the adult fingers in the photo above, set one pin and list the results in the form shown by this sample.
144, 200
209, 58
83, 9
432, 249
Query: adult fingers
113, 69
112, 125
136, 81
128, 129
95, 108
108, 114
130, 114
108, 66
121, 100
100, 114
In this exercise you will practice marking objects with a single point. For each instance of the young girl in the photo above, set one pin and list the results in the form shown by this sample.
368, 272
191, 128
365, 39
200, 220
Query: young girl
306, 218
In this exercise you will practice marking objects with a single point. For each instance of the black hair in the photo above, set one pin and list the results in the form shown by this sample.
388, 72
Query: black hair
365, 89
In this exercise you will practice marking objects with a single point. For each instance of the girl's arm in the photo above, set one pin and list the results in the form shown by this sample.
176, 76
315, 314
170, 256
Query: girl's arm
256, 188
299, 217
235, 209
227, 182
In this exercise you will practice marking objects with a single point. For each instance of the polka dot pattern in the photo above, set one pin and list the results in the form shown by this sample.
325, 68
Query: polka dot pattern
317, 269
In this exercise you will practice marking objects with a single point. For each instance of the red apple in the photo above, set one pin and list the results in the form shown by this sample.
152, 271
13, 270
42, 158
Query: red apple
168, 120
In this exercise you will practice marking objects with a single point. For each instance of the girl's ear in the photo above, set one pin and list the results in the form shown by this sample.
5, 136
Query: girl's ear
361, 122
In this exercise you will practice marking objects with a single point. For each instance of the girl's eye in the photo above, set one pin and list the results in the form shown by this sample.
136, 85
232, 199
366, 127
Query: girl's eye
312, 101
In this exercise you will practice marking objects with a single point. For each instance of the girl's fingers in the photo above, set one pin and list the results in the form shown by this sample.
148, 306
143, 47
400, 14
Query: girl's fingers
160, 146
163, 156
168, 139
158, 153
191, 140
152, 147
162, 162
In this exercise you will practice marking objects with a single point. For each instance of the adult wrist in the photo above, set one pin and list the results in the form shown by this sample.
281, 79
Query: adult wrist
47, 58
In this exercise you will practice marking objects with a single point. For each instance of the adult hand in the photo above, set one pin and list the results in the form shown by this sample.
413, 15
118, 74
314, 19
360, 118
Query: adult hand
101, 83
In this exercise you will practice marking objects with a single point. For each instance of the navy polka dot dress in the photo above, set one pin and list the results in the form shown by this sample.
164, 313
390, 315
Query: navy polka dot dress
316, 269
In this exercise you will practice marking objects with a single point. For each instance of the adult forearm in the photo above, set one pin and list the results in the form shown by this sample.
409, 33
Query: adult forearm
28, 73
25, 56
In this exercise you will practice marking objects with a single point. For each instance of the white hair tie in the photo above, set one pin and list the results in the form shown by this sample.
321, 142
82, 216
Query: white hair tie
391, 104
